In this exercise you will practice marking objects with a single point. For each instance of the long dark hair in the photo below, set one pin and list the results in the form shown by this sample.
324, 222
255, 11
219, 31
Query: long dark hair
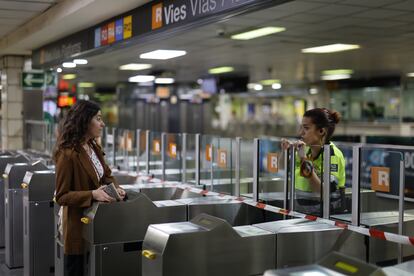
324, 118
74, 126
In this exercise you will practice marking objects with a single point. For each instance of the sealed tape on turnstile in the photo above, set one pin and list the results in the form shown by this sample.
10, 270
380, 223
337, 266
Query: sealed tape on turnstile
370, 232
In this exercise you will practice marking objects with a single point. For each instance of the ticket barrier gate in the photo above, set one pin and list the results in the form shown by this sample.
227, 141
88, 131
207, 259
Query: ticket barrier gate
38, 223
114, 232
192, 248
380, 250
334, 264
403, 269
13, 177
206, 245
4, 160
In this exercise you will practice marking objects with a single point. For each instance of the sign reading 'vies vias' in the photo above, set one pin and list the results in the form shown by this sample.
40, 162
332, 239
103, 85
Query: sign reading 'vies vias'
154, 16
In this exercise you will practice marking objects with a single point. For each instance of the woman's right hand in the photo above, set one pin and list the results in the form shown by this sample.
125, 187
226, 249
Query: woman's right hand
285, 143
100, 195
300, 148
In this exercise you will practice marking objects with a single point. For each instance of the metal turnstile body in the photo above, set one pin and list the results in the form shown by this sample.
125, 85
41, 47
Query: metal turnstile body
206, 245
334, 264
13, 177
303, 242
115, 232
4, 160
38, 223
403, 269
381, 250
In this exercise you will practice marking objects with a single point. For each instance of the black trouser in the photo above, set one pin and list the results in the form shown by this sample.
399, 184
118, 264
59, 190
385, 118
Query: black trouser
73, 265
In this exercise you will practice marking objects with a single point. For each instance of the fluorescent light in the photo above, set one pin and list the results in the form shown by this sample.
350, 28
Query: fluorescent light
313, 91
331, 48
276, 86
69, 76
59, 70
221, 70
80, 61
338, 72
336, 77
411, 75
269, 81
255, 86
135, 66
141, 78
163, 54
164, 80
69, 65
258, 33
86, 84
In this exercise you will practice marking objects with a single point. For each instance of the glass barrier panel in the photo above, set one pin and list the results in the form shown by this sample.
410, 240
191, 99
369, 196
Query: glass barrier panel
223, 171
190, 160
308, 177
173, 157
155, 158
341, 182
207, 152
119, 148
141, 151
130, 144
108, 141
379, 199
272, 172
246, 167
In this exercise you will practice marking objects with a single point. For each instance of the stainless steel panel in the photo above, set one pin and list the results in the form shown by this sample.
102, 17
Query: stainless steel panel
207, 246
114, 235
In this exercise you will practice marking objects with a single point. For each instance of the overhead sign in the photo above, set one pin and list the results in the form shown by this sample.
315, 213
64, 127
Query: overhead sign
31, 80
154, 16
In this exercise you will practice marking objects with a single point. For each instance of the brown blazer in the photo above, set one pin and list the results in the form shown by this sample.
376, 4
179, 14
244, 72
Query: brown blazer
75, 180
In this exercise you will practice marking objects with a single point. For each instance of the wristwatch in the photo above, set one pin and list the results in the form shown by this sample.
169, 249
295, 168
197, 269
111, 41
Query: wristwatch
306, 168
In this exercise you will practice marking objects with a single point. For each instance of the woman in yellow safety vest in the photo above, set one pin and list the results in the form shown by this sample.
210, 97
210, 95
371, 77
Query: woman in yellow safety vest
316, 130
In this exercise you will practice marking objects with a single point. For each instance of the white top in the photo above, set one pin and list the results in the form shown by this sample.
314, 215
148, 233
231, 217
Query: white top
96, 164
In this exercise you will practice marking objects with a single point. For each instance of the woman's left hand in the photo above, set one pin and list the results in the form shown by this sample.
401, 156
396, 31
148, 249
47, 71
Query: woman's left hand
121, 192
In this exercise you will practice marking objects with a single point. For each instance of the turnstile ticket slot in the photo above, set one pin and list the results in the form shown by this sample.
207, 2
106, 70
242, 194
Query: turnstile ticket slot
133, 246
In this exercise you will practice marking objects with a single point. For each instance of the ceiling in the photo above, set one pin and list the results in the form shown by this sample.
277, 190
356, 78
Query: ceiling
13, 13
383, 28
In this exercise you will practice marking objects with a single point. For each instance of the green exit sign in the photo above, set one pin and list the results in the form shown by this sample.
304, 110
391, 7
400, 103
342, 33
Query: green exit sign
33, 80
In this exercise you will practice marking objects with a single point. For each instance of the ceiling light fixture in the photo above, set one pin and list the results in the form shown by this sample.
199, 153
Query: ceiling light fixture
276, 86
269, 81
338, 47
164, 80
69, 76
141, 78
257, 33
86, 84
163, 54
221, 70
80, 61
410, 75
69, 65
135, 66
59, 70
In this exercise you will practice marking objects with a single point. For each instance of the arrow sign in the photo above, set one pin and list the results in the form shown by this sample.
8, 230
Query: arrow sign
32, 80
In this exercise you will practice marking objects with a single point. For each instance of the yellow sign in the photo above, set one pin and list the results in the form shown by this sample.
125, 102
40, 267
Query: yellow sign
272, 161
156, 146
127, 26
222, 158
172, 149
209, 152
156, 16
380, 179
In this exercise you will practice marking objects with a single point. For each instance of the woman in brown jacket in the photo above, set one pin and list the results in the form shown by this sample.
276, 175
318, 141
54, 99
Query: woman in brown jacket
81, 172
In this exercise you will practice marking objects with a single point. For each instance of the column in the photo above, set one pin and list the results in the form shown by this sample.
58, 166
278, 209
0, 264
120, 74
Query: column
11, 68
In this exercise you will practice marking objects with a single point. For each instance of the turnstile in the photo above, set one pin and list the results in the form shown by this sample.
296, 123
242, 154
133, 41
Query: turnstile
200, 247
114, 232
4, 160
206, 245
13, 176
334, 264
403, 269
38, 223
380, 250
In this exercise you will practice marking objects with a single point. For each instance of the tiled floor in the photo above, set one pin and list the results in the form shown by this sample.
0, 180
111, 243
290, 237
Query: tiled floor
4, 270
